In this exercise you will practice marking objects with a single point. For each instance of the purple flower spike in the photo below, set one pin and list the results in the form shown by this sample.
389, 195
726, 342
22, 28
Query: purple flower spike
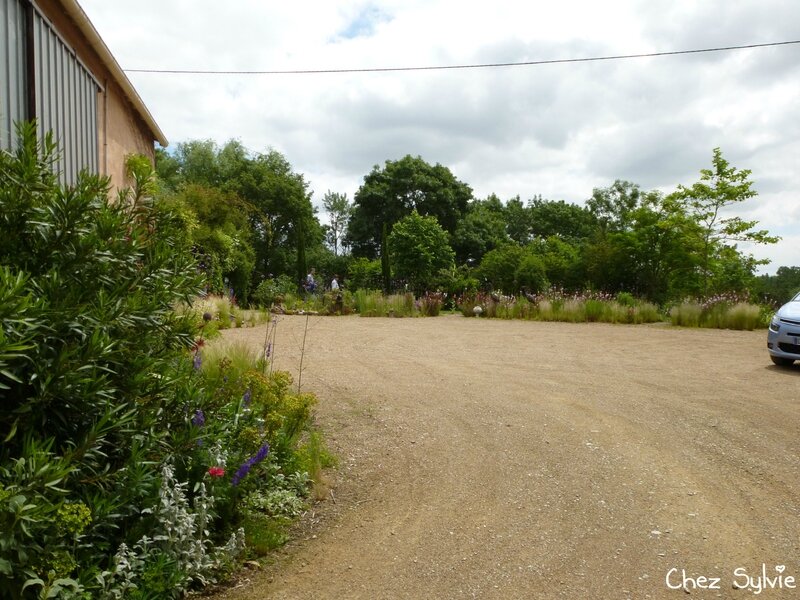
197, 362
199, 418
251, 462
246, 398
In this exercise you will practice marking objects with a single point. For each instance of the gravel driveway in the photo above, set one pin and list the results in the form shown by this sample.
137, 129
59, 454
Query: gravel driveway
507, 459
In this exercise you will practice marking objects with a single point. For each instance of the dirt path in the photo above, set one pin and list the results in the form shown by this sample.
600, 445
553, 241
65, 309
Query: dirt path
497, 459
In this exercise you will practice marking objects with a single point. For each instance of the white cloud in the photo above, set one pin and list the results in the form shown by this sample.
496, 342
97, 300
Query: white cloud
555, 130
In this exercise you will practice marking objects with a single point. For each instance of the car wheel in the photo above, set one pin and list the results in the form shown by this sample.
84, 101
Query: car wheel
782, 362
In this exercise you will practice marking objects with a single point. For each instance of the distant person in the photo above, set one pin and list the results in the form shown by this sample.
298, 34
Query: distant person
311, 284
338, 303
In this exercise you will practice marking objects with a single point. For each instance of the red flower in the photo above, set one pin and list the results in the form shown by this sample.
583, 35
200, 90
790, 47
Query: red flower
216, 471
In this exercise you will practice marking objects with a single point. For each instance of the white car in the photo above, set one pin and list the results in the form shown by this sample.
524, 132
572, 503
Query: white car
783, 339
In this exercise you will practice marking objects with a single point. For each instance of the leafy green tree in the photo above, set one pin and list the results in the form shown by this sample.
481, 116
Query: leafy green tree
566, 221
642, 243
612, 207
220, 234
197, 160
562, 261
662, 247
365, 274
518, 221
282, 212
481, 229
386, 266
420, 249
709, 200
390, 193
168, 170
498, 269
327, 264
734, 272
530, 275
781, 287
339, 209
276, 198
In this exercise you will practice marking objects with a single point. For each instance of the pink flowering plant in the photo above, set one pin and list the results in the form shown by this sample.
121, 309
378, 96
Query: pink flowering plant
557, 304
730, 310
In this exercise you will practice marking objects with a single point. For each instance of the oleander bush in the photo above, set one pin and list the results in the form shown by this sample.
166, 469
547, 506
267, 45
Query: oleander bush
125, 460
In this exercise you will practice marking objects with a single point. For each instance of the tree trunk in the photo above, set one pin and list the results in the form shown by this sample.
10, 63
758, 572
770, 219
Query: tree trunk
385, 266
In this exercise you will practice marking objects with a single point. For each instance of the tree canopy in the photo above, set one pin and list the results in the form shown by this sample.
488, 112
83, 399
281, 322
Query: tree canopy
419, 249
390, 193
254, 211
708, 201
250, 218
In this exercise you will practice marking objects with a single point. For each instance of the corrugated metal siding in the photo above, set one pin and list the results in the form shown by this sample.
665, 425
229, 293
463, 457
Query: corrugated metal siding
66, 102
12, 70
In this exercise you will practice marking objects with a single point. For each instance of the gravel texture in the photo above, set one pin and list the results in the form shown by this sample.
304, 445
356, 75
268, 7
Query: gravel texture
507, 459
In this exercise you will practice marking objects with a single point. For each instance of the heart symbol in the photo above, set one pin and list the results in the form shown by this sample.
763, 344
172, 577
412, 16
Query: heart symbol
780, 568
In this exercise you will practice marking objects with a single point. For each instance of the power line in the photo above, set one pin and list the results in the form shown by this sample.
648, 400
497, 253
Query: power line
466, 66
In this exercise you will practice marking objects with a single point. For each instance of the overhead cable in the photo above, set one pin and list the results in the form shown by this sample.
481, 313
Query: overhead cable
529, 63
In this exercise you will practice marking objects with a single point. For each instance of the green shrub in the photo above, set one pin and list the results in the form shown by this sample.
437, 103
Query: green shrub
530, 275
720, 312
370, 303
597, 310
124, 458
430, 304
554, 305
274, 291
364, 274
686, 314
498, 268
94, 371
626, 299
339, 302
457, 281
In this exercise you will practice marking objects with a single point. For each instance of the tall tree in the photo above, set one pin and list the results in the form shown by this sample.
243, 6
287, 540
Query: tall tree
390, 193
198, 162
339, 209
782, 286
708, 201
480, 230
420, 249
569, 222
613, 206
643, 243
276, 198
386, 266
518, 221
220, 234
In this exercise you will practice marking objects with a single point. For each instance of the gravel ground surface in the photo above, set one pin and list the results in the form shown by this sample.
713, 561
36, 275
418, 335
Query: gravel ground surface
498, 459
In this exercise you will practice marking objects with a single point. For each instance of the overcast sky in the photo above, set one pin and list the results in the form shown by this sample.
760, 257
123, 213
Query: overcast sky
557, 130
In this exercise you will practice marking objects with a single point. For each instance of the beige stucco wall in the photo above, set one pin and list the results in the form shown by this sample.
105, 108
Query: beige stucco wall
121, 131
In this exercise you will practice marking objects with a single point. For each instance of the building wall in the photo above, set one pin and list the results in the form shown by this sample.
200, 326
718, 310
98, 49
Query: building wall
12, 63
126, 134
121, 131
65, 101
